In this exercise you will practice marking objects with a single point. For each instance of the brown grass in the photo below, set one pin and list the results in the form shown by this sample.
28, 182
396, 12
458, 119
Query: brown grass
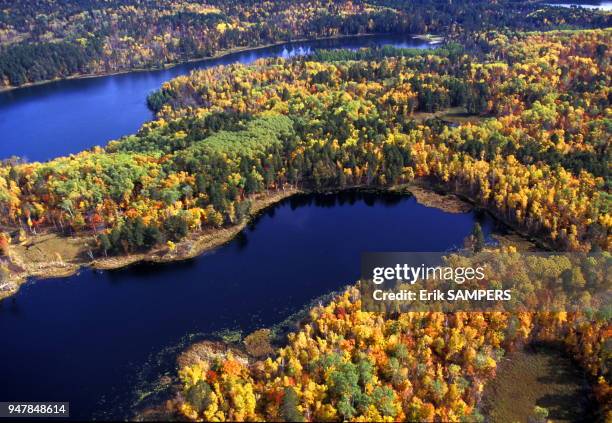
258, 343
206, 352
459, 116
515, 240
51, 247
543, 376
49, 255
452, 115
425, 194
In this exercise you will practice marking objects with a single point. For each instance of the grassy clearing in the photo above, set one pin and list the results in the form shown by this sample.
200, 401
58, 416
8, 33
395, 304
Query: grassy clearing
451, 116
543, 376
459, 116
52, 247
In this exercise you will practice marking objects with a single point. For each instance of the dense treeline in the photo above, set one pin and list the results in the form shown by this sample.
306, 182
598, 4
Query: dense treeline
44, 39
545, 130
450, 50
37, 62
536, 153
345, 364
109, 37
538, 159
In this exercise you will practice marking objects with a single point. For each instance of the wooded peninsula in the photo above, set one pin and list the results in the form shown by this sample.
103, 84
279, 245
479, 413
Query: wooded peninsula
516, 121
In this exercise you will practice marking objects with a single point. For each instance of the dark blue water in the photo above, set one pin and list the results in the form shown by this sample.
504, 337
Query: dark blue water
41, 122
96, 338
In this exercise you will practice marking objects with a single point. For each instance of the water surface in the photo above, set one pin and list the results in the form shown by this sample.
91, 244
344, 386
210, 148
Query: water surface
95, 339
63, 117
597, 5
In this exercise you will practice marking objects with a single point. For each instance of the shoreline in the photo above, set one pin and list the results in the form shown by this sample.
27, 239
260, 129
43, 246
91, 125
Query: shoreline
432, 40
201, 242
197, 243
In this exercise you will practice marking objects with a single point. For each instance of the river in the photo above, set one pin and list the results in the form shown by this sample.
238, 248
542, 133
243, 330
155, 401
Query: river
101, 339
59, 118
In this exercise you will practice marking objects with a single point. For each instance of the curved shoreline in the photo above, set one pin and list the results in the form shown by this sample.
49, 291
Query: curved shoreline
198, 243
192, 246
431, 40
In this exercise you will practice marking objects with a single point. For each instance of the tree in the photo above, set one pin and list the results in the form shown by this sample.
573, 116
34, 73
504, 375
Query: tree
478, 240
540, 415
199, 396
105, 243
4, 244
258, 343
176, 228
289, 407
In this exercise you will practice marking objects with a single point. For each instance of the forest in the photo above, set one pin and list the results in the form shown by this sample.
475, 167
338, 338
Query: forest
225, 134
44, 39
345, 364
534, 151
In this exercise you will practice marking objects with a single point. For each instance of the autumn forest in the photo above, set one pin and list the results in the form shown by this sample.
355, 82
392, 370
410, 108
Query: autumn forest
510, 113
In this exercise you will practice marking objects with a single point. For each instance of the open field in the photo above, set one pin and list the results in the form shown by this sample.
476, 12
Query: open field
542, 376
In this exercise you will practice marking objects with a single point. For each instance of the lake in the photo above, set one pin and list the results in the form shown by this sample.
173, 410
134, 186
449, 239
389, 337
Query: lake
59, 118
101, 339
599, 5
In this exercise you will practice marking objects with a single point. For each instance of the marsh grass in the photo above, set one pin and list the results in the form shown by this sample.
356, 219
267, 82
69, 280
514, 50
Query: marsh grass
540, 375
